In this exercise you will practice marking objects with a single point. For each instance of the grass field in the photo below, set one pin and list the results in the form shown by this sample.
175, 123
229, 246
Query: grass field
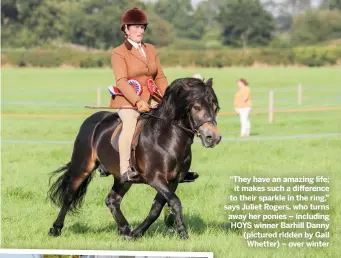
26, 214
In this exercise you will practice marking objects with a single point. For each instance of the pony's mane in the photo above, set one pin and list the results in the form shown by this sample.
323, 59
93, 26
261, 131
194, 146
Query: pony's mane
181, 95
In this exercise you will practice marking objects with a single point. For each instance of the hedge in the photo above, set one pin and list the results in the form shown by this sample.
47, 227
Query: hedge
307, 56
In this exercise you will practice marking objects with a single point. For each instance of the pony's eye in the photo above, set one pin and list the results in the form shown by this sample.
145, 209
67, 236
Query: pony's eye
197, 108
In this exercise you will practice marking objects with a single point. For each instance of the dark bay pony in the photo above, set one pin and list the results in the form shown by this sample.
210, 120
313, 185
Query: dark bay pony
189, 108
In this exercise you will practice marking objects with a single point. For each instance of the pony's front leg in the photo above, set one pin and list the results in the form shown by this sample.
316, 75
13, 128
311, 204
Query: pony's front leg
174, 202
113, 201
154, 213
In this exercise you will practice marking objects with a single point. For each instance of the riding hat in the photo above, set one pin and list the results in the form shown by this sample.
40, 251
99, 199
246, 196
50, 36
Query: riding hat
134, 16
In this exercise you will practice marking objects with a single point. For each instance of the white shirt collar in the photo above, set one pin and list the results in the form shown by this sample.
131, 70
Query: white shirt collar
136, 45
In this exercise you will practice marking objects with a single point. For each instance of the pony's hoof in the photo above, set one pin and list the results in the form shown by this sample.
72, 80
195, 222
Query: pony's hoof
171, 230
128, 238
125, 231
183, 235
55, 232
135, 235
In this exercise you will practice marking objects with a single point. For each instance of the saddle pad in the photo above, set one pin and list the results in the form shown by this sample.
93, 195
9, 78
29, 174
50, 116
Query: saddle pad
115, 136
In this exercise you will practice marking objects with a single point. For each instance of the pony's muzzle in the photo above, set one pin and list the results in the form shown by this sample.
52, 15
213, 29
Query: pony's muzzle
209, 135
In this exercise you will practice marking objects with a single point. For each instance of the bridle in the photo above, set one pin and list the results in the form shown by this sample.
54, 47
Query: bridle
194, 129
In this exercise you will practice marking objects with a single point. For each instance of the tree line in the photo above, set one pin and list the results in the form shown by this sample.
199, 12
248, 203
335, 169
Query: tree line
210, 24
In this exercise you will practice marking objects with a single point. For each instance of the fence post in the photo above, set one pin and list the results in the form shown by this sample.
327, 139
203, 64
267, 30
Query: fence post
98, 97
299, 94
271, 106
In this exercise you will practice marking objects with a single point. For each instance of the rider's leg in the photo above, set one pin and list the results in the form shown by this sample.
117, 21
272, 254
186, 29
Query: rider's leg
129, 119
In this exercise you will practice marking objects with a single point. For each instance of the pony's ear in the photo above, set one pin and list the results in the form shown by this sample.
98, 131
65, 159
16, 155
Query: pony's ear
209, 82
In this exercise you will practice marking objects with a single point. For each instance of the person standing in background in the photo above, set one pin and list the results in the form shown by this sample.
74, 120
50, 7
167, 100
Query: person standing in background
243, 106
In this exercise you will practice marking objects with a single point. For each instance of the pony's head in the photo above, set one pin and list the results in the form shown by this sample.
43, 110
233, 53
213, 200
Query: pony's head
193, 103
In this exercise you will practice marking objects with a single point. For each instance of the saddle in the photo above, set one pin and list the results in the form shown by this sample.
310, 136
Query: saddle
136, 136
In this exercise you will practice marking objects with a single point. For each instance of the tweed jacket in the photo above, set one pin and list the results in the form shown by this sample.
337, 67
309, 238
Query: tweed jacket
128, 63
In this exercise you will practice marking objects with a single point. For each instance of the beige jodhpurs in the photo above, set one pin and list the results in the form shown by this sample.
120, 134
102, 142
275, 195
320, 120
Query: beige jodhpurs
129, 119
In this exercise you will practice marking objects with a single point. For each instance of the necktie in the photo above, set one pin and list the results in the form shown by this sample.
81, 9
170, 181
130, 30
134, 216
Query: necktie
141, 51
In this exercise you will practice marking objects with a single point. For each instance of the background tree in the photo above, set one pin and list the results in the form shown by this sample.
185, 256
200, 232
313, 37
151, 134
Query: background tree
96, 23
187, 22
245, 23
159, 32
174, 23
298, 6
335, 4
285, 10
34, 22
9, 12
316, 27
331, 4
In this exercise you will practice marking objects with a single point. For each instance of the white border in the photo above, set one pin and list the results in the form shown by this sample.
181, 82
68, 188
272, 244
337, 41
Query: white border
95, 252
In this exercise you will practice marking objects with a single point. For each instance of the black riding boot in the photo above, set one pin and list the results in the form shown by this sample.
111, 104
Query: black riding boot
129, 176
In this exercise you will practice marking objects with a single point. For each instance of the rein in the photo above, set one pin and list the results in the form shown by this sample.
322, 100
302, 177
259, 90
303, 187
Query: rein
190, 132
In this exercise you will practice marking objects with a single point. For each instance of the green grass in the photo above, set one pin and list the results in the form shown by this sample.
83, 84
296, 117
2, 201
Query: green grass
27, 215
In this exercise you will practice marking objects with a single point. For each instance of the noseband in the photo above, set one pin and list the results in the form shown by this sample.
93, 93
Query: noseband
195, 128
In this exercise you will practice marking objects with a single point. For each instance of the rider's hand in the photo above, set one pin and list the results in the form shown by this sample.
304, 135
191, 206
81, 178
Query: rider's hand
142, 106
154, 104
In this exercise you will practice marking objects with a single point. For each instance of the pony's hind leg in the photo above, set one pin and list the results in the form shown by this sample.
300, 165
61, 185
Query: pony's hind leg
68, 191
113, 202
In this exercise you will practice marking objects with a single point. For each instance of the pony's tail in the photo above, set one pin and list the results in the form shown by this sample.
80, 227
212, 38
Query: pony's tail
61, 192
